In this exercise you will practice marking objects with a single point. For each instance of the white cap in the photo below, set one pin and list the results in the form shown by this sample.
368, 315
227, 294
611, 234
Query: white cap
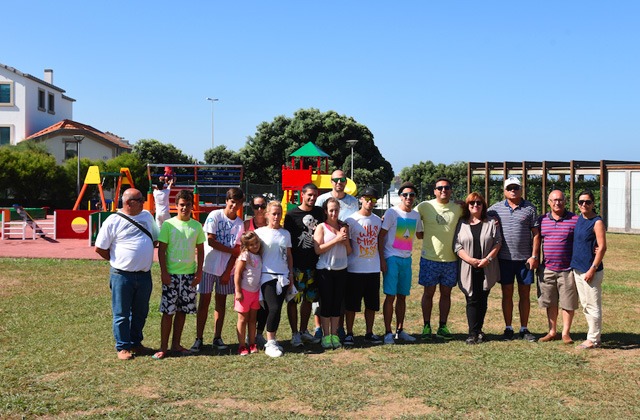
512, 181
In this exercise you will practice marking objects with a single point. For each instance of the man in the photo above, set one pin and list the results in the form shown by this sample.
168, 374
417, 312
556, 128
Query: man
363, 267
161, 198
518, 256
400, 226
438, 262
556, 285
127, 240
223, 228
348, 203
301, 222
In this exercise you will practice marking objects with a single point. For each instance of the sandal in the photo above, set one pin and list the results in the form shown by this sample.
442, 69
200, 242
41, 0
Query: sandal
584, 346
159, 355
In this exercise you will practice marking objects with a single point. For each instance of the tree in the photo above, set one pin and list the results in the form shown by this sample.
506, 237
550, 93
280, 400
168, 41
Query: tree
220, 155
136, 167
266, 151
424, 175
154, 151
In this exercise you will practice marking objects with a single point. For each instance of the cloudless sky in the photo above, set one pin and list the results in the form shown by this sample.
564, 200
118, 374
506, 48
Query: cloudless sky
441, 80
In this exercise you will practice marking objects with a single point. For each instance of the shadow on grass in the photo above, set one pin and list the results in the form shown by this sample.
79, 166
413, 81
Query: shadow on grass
621, 341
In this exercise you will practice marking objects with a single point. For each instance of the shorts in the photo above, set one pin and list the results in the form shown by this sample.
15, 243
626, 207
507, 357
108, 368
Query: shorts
433, 273
250, 300
179, 295
361, 285
304, 281
207, 282
397, 279
557, 288
510, 269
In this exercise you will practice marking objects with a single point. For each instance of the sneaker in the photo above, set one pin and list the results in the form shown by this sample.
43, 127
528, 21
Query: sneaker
348, 340
219, 344
526, 335
402, 335
335, 342
444, 333
326, 342
260, 341
308, 338
508, 334
472, 339
318, 334
481, 338
388, 338
271, 349
296, 340
253, 349
427, 334
341, 333
372, 338
197, 346
243, 351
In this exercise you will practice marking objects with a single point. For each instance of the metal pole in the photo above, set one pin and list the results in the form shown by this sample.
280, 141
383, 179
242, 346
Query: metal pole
352, 143
212, 101
78, 138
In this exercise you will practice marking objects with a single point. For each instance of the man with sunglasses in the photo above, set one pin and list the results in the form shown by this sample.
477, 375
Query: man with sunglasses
438, 262
301, 222
400, 225
348, 203
518, 256
129, 250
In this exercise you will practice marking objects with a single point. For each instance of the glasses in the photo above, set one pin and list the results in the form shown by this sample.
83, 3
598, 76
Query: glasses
443, 187
585, 202
139, 200
259, 206
371, 199
513, 188
408, 195
475, 203
342, 179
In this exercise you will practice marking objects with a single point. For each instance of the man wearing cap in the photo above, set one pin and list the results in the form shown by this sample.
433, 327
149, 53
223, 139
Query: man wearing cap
556, 285
363, 267
348, 203
401, 224
518, 256
438, 262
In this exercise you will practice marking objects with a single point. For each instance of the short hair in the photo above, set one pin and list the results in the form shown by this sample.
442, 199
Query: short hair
443, 178
474, 196
309, 186
235, 193
186, 195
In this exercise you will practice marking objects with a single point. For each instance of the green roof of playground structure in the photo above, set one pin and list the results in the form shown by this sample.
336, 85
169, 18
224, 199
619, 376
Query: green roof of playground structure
309, 150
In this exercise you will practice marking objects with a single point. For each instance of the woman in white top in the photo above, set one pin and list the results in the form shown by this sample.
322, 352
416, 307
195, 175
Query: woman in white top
331, 243
277, 272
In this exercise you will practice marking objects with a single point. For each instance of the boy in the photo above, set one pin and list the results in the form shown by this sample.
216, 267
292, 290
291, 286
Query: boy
179, 238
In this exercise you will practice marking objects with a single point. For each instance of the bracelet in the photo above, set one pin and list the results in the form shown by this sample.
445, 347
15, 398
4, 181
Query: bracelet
594, 266
489, 258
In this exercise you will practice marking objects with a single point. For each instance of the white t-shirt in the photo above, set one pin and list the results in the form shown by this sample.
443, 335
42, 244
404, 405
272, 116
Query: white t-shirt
274, 252
401, 227
348, 204
130, 248
252, 271
161, 197
363, 233
228, 233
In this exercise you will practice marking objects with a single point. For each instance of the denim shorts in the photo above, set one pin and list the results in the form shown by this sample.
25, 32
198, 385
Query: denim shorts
433, 273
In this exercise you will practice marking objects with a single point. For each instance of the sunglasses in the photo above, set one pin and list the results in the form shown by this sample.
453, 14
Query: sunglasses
408, 195
371, 199
259, 206
585, 202
475, 203
139, 200
443, 187
513, 188
342, 179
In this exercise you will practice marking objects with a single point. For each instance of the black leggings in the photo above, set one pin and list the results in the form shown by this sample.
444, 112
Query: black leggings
273, 304
477, 303
331, 285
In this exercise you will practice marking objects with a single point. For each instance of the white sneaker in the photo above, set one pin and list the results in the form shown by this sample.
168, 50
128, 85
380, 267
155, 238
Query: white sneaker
296, 340
402, 335
271, 349
260, 341
307, 337
388, 339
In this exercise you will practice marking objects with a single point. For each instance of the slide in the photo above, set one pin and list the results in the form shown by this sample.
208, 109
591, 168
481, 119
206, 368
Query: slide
324, 182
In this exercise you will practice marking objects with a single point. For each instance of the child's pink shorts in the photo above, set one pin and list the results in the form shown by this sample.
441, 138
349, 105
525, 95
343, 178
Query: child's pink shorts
251, 300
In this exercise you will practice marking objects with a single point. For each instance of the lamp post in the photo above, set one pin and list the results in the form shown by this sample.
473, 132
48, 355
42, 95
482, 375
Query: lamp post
352, 143
212, 101
78, 139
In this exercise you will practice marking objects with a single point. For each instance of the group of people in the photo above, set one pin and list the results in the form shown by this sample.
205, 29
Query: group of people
325, 258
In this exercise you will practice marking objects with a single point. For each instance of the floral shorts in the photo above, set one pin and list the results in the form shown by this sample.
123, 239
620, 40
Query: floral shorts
178, 296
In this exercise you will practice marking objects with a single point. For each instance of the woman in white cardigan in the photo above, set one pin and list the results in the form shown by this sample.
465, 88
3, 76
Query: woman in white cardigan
477, 243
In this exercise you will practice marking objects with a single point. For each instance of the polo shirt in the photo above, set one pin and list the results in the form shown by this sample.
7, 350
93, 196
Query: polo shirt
557, 240
516, 225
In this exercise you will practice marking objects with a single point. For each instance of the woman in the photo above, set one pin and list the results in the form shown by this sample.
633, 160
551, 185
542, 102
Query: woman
589, 246
277, 272
331, 243
477, 243
259, 219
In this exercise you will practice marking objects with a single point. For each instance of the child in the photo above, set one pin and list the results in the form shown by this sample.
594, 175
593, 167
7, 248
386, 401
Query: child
179, 237
247, 281
161, 198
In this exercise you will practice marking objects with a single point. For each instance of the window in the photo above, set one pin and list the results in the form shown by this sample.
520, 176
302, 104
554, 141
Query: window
6, 93
41, 97
70, 150
5, 135
52, 103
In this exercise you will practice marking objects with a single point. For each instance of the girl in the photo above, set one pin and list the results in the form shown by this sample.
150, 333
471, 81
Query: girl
331, 243
248, 269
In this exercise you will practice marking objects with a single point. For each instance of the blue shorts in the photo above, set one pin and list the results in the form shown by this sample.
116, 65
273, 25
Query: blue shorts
433, 273
397, 279
209, 280
510, 269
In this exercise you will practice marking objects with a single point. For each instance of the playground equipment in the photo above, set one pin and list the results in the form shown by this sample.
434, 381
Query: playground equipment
296, 175
18, 228
94, 178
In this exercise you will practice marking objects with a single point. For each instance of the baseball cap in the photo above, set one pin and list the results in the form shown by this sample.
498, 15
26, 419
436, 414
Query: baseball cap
512, 181
406, 185
369, 192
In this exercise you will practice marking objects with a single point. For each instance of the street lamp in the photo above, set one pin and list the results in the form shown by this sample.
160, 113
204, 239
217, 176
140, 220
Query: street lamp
352, 143
212, 101
78, 139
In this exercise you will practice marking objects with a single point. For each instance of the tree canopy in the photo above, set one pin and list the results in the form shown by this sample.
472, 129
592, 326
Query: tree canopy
154, 151
424, 175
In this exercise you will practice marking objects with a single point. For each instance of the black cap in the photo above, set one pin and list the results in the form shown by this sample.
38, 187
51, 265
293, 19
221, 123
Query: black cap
369, 191
406, 185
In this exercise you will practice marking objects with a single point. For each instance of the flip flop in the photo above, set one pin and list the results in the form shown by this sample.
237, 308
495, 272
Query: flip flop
585, 347
159, 355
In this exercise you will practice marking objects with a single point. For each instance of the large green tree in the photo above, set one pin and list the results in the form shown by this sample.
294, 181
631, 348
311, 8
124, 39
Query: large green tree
220, 155
270, 147
424, 175
154, 151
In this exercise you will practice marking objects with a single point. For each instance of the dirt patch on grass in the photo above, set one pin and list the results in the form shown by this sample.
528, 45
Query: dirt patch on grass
9, 286
393, 406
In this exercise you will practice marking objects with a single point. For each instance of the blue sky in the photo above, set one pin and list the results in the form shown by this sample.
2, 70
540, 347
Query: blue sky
443, 81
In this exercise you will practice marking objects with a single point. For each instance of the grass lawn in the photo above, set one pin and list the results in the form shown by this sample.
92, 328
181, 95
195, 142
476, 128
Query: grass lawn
57, 360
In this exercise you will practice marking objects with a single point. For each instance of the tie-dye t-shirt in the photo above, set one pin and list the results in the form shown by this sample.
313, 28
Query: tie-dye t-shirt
401, 227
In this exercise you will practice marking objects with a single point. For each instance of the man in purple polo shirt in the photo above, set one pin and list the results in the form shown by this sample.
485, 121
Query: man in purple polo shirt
556, 286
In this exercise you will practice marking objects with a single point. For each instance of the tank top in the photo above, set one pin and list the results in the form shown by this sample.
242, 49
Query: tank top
336, 257
584, 242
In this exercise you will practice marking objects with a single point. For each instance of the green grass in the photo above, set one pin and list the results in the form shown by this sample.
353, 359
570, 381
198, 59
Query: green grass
57, 360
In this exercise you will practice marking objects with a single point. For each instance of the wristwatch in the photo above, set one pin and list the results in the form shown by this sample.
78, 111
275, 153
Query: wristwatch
535, 257
490, 258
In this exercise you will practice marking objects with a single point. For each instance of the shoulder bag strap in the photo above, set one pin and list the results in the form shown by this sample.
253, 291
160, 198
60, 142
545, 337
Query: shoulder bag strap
136, 224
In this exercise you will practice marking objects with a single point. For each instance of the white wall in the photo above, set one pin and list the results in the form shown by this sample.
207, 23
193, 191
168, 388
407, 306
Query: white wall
89, 148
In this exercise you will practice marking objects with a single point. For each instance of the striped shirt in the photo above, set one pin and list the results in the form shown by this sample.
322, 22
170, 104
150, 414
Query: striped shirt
557, 240
516, 225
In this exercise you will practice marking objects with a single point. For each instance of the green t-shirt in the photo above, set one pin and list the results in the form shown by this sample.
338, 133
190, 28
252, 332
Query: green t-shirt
439, 222
181, 239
